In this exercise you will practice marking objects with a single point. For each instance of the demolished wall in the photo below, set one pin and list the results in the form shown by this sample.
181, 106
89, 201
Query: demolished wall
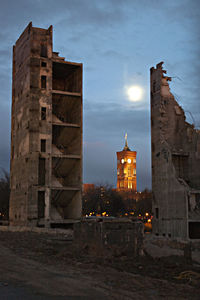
175, 163
110, 236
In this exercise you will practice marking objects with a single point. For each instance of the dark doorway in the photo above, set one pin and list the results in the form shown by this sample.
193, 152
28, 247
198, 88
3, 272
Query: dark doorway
41, 204
194, 230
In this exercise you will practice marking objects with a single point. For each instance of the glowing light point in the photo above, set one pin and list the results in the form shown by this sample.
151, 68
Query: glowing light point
134, 93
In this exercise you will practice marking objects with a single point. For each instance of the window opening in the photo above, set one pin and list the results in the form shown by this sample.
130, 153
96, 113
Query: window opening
41, 204
43, 64
43, 113
43, 50
43, 82
43, 146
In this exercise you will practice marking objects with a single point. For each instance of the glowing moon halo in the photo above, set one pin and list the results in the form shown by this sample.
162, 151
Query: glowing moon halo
134, 93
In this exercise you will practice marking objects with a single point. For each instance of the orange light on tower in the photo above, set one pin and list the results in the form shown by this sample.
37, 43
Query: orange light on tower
126, 169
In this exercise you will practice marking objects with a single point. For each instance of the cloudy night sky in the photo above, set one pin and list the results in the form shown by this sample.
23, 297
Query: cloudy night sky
117, 42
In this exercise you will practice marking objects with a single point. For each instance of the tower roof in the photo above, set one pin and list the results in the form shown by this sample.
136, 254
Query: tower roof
126, 147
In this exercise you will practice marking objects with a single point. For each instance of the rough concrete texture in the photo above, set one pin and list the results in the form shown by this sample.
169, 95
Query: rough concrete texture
46, 135
165, 247
175, 164
104, 236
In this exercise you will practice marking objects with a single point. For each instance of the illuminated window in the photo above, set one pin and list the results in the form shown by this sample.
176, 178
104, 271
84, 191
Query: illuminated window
134, 171
134, 160
129, 160
129, 171
121, 184
122, 160
117, 171
129, 185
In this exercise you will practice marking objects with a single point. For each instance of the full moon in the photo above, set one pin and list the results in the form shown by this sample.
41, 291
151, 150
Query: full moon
134, 93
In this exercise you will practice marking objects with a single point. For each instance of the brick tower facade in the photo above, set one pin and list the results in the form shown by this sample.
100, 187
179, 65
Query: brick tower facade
126, 169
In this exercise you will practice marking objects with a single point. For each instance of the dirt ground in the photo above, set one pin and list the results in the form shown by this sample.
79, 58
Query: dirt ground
44, 266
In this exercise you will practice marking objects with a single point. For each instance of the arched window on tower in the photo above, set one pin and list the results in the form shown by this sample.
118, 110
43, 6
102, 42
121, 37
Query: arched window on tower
129, 171
121, 184
129, 185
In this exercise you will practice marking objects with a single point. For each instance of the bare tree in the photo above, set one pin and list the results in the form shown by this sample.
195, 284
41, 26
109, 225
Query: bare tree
102, 198
144, 203
4, 195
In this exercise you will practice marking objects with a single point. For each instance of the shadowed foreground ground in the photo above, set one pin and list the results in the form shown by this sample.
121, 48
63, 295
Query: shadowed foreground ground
44, 266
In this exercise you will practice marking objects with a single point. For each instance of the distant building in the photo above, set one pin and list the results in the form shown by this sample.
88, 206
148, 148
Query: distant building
87, 187
126, 169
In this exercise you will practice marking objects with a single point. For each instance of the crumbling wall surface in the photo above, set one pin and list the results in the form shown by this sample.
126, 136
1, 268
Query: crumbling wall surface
175, 162
111, 236
27, 126
160, 247
46, 135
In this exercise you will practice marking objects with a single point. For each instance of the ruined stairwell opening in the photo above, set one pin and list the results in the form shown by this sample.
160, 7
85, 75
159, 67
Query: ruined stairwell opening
66, 78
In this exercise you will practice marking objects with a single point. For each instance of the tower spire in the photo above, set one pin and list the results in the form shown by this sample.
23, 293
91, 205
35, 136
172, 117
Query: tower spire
126, 148
126, 143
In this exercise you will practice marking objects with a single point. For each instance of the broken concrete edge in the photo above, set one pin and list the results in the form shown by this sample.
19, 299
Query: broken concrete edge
173, 242
158, 247
37, 230
109, 236
108, 219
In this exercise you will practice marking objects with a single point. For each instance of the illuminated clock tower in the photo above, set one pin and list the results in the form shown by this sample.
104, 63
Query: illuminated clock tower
126, 169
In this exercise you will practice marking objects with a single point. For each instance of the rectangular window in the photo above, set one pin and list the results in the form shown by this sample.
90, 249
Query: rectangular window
43, 64
129, 171
121, 184
134, 171
194, 230
43, 82
41, 204
157, 213
43, 50
43, 113
41, 171
129, 185
43, 145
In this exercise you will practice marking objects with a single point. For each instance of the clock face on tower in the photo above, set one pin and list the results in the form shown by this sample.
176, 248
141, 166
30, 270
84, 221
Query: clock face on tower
126, 169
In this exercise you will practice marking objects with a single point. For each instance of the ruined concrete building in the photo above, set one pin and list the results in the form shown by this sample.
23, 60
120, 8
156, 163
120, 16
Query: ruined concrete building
46, 134
175, 164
